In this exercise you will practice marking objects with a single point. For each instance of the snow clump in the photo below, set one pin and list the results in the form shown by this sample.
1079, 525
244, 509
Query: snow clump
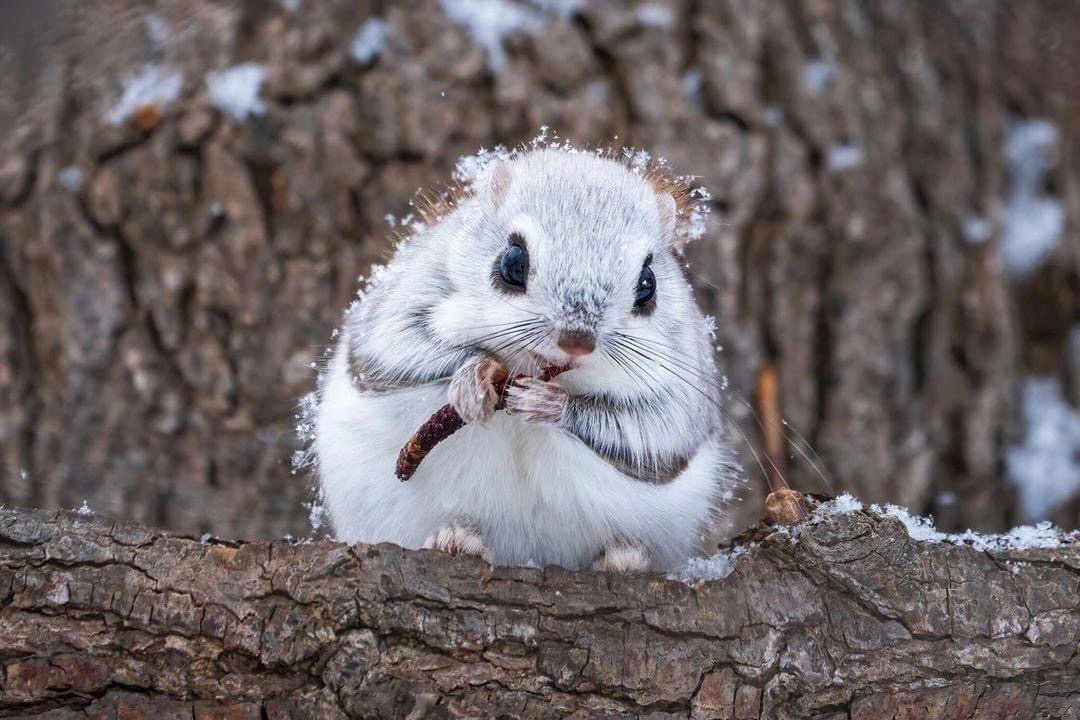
155, 86
1026, 537
1034, 221
489, 22
369, 40
235, 90
716, 567
1046, 468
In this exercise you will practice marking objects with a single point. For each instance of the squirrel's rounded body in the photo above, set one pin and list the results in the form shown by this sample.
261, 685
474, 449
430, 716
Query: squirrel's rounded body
554, 257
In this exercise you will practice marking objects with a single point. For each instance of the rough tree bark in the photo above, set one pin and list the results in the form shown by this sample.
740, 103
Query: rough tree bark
845, 618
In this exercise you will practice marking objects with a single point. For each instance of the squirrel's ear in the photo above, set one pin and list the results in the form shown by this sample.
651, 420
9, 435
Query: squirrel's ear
665, 207
499, 180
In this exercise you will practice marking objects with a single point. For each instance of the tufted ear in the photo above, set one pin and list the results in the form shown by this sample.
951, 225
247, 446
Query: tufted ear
667, 210
499, 179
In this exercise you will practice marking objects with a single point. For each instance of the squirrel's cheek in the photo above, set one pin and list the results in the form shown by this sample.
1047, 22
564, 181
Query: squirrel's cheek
466, 319
454, 319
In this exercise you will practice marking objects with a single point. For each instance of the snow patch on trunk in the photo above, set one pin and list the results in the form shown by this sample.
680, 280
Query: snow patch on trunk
369, 40
1046, 468
235, 90
155, 86
489, 22
1034, 221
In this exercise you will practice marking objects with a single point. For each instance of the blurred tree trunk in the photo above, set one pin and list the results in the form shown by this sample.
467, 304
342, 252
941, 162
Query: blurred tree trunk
846, 618
166, 281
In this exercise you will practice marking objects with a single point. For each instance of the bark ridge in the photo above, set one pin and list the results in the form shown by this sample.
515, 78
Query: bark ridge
842, 617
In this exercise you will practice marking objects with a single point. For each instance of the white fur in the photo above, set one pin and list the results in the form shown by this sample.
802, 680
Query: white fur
622, 557
537, 495
535, 491
459, 539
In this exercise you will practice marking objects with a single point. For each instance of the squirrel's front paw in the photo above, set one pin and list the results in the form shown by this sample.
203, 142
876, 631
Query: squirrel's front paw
474, 388
459, 539
536, 400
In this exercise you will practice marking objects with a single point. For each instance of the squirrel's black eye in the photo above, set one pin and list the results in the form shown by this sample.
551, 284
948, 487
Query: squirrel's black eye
646, 287
514, 266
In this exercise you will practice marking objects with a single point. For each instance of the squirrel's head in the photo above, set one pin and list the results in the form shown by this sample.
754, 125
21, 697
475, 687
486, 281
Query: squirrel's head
573, 259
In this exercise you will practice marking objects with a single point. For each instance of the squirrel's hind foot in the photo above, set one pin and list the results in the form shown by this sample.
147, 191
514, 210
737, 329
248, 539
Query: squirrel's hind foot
622, 556
459, 538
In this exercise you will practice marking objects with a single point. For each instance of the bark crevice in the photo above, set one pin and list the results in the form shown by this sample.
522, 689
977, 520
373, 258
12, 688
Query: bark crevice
845, 616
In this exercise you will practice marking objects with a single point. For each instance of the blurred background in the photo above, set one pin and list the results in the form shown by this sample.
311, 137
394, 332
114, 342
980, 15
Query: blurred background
189, 191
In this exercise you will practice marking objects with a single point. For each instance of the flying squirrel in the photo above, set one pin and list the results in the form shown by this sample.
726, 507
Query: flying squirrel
546, 256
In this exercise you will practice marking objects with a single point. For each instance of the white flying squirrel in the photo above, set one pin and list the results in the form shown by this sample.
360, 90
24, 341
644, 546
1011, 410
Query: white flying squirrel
550, 256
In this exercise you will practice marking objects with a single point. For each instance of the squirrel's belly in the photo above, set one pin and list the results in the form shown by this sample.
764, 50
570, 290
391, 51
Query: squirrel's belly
538, 495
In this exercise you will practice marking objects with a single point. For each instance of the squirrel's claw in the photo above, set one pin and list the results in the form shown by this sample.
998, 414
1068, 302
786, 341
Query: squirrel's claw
459, 539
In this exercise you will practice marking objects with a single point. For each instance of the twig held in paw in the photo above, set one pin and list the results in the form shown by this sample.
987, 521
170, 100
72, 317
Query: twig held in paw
443, 423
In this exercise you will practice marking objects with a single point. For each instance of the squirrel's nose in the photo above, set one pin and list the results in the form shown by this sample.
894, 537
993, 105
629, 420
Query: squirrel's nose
576, 342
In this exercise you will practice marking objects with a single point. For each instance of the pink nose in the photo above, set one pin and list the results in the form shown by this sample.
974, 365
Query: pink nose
576, 342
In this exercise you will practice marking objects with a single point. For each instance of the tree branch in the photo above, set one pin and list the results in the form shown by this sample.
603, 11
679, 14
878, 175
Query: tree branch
848, 617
